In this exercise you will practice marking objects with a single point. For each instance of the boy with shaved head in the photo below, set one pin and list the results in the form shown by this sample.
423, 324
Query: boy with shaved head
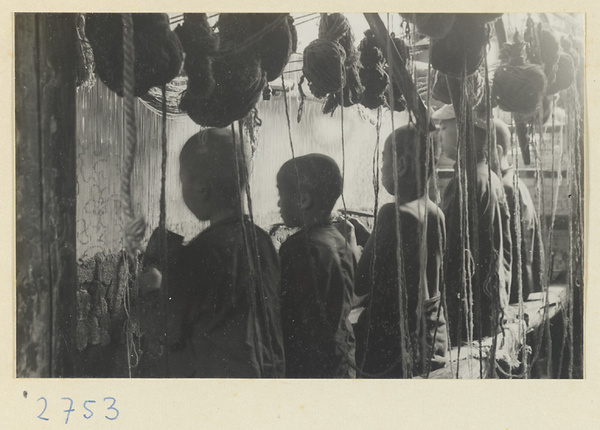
224, 304
379, 277
317, 272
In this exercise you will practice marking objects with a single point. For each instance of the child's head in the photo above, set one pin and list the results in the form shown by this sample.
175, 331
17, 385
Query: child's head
210, 179
411, 154
448, 133
309, 186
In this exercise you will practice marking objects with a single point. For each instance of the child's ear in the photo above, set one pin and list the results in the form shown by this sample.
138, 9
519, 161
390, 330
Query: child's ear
402, 165
305, 200
201, 189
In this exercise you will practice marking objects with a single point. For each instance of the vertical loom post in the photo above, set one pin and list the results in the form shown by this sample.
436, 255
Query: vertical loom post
45, 55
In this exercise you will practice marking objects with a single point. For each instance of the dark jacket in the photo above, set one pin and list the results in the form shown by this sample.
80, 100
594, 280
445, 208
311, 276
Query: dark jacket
317, 280
378, 332
225, 315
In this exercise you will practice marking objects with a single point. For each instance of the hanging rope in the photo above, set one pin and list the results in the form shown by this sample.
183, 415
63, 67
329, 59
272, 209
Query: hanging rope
259, 283
404, 347
251, 293
162, 224
135, 227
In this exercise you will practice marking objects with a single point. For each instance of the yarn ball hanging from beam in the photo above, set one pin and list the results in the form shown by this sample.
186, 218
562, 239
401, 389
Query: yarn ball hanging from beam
518, 85
331, 64
462, 49
238, 75
372, 74
271, 36
565, 75
158, 52
432, 25
199, 44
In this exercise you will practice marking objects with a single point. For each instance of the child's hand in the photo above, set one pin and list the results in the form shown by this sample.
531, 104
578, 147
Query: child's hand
347, 230
360, 230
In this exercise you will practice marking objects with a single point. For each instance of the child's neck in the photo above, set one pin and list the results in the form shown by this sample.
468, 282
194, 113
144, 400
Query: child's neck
310, 219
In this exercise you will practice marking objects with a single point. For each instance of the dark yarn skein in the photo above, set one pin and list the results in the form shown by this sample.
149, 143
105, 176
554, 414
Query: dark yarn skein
199, 44
518, 86
275, 33
565, 75
462, 45
238, 74
372, 74
331, 62
158, 52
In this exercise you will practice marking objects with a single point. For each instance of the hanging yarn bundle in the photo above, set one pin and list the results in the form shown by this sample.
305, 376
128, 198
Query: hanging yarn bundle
567, 46
462, 45
199, 43
543, 47
432, 25
238, 75
331, 63
158, 53
518, 85
85, 55
372, 73
565, 75
277, 44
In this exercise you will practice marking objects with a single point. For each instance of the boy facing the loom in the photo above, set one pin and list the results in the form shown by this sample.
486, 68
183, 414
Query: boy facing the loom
224, 300
381, 276
317, 272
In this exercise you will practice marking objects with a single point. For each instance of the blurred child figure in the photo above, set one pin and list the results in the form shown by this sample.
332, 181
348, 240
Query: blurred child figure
532, 252
317, 272
224, 300
421, 225
493, 271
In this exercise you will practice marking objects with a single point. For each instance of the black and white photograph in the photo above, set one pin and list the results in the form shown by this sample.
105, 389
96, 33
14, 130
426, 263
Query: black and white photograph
300, 195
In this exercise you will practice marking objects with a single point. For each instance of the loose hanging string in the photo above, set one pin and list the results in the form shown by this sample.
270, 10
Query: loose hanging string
260, 293
496, 263
519, 239
578, 256
251, 293
404, 347
162, 222
376, 158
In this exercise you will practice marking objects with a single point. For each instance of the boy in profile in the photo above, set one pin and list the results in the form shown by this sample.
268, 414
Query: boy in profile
317, 272
224, 304
421, 225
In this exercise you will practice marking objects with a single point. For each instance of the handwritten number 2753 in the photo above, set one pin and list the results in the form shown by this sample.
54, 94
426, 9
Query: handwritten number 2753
113, 414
